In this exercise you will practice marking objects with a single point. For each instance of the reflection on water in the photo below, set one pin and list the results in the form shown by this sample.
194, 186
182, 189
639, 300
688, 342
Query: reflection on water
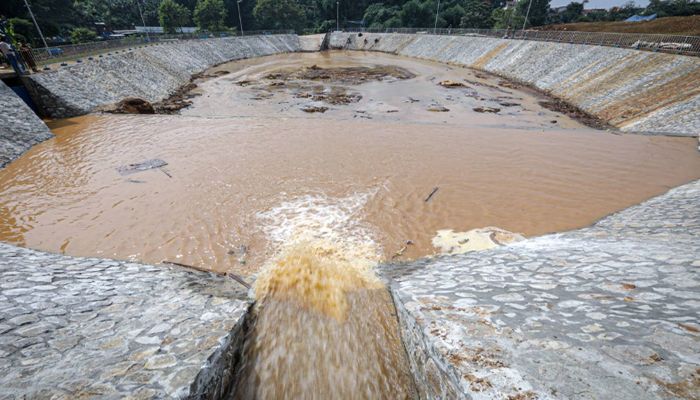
240, 168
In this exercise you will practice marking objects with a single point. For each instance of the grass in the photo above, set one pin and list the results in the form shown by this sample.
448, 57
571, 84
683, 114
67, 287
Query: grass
689, 25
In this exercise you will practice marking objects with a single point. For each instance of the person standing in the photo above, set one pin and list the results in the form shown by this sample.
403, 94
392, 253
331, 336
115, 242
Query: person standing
9, 53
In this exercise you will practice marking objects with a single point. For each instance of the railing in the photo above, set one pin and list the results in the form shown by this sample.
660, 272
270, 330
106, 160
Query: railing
687, 45
72, 51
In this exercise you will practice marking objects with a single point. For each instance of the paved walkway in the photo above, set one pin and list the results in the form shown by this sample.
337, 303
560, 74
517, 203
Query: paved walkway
610, 311
91, 328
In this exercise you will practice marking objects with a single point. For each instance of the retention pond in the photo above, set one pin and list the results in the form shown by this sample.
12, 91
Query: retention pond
306, 171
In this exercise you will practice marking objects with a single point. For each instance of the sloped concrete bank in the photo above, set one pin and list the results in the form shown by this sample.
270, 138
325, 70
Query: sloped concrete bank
20, 128
635, 91
609, 311
152, 73
75, 327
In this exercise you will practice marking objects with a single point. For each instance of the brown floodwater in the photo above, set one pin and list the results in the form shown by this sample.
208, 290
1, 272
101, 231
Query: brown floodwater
245, 174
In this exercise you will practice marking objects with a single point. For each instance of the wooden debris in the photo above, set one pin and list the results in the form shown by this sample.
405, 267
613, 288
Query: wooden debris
430, 196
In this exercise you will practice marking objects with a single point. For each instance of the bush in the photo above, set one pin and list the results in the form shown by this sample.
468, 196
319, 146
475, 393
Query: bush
82, 35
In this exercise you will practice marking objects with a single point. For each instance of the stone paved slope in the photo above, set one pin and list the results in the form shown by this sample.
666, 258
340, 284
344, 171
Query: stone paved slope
93, 328
610, 311
636, 91
20, 128
151, 72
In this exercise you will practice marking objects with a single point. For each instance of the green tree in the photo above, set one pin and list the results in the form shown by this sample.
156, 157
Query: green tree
82, 35
417, 14
453, 15
22, 29
376, 15
477, 14
172, 16
539, 11
279, 14
210, 15
507, 18
572, 13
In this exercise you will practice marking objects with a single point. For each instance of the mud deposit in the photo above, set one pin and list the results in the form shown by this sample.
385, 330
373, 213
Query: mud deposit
246, 162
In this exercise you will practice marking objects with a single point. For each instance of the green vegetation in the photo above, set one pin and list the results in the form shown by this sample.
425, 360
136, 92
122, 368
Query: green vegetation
82, 35
210, 15
172, 16
59, 18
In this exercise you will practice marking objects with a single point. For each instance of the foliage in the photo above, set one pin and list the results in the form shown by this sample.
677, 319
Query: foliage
279, 14
22, 30
573, 12
172, 15
477, 14
210, 15
82, 35
507, 18
538, 13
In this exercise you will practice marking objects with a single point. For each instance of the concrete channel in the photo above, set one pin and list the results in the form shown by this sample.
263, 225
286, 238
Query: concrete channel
606, 311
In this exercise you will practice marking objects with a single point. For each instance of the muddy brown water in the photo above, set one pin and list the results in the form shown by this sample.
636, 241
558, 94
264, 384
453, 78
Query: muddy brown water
251, 178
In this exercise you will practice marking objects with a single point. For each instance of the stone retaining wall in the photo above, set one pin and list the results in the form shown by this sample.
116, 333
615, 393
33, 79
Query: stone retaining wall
73, 327
636, 91
20, 128
151, 72
609, 311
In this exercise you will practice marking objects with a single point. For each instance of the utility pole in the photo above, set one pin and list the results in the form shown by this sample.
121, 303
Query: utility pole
337, 16
143, 21
527, 14
37, 27
240, 19
437, 13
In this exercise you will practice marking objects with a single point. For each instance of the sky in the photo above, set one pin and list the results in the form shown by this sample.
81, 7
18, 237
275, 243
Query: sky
599, 3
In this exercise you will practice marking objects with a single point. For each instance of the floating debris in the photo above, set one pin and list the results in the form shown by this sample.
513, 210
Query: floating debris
142, 166
430, 196
451, 84
486, 109
437, 108
314, 109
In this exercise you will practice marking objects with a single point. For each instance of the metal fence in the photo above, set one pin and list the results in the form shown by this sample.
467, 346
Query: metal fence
678, 44
72, 51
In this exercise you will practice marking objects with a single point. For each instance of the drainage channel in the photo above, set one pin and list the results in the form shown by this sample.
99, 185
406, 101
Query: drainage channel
324, 326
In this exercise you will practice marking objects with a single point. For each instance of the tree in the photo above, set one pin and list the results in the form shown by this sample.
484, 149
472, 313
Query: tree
453, 15
279, 14
172, 16
506, 18
417, 14
572, 13
82, 35
539, 11
210, 15
477, 14
22, 29
377, 15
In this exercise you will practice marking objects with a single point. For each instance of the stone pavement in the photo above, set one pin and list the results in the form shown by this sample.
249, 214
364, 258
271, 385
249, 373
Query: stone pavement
93, 328
609, 311
20, 128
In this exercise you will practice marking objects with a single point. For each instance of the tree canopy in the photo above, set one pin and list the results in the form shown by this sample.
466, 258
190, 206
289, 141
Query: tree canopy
172, 16
210, 15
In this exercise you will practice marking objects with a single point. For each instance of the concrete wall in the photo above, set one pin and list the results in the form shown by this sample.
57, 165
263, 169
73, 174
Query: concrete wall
151, 73
633, 90
20, 128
